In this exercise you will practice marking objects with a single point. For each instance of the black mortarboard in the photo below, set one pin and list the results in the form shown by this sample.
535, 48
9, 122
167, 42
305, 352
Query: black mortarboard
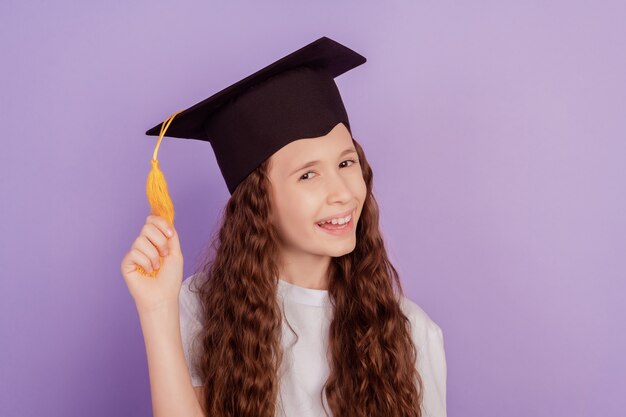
293, 98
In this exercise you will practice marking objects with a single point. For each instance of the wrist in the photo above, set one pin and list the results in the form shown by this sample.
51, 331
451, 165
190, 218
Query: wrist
161, 308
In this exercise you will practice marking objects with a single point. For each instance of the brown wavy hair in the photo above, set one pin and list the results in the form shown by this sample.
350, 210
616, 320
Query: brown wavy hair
371, 354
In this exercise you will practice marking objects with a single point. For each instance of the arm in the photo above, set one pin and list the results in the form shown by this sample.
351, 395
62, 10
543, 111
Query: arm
433, 368
156, 252
170, 382
431, 358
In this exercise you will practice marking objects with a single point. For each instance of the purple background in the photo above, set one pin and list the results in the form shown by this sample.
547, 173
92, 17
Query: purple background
495, 129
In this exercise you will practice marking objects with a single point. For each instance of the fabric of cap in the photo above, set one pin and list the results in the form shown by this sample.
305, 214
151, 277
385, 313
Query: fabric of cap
293, 98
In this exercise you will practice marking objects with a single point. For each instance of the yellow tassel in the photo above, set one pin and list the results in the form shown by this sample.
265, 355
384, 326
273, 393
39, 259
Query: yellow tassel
156, 191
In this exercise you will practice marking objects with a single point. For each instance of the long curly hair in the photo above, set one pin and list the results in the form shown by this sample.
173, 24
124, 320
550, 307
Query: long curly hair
371, 354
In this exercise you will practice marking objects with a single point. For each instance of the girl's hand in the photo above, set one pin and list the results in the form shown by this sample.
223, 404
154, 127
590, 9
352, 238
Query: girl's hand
153, 267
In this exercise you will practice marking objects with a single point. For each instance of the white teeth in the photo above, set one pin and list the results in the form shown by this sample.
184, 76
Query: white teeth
341, 220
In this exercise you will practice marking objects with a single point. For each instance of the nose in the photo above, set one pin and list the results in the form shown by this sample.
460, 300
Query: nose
338, 188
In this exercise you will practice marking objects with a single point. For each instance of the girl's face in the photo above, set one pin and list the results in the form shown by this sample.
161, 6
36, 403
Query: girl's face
304, 193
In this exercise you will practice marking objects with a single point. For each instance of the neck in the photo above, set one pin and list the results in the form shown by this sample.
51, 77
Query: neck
305, 270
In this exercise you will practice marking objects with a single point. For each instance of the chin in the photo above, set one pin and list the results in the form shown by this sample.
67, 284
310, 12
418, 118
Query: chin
340, 249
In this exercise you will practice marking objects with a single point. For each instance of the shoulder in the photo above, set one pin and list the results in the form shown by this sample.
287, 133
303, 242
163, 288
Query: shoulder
189, 285
188, 296
423, 327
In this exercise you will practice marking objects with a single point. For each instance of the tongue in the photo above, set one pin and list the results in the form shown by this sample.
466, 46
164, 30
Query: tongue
333, 226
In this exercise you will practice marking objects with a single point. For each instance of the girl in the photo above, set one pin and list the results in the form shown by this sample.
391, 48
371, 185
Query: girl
296, 311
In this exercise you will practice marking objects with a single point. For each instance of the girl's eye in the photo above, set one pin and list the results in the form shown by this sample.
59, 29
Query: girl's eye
354, 161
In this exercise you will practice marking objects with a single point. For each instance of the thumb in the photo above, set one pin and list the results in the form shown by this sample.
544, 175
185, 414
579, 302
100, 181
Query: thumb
173, 243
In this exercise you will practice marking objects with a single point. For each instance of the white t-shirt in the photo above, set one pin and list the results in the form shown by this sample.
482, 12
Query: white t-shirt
305, 368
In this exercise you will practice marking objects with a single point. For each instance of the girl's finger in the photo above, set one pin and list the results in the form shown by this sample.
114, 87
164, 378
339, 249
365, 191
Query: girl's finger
139, 258
143, 245
155, 236
161, 223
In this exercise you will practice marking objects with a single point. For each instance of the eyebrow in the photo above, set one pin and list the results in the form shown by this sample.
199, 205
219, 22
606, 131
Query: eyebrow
312, 163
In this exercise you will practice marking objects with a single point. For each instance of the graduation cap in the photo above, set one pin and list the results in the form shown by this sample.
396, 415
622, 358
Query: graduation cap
293, 98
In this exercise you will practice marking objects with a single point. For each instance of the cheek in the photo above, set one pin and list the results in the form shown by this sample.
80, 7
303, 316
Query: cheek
296, 230
295, 217
359, 188
292, 220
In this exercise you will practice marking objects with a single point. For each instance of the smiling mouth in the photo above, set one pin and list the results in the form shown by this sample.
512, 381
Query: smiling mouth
337, 227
